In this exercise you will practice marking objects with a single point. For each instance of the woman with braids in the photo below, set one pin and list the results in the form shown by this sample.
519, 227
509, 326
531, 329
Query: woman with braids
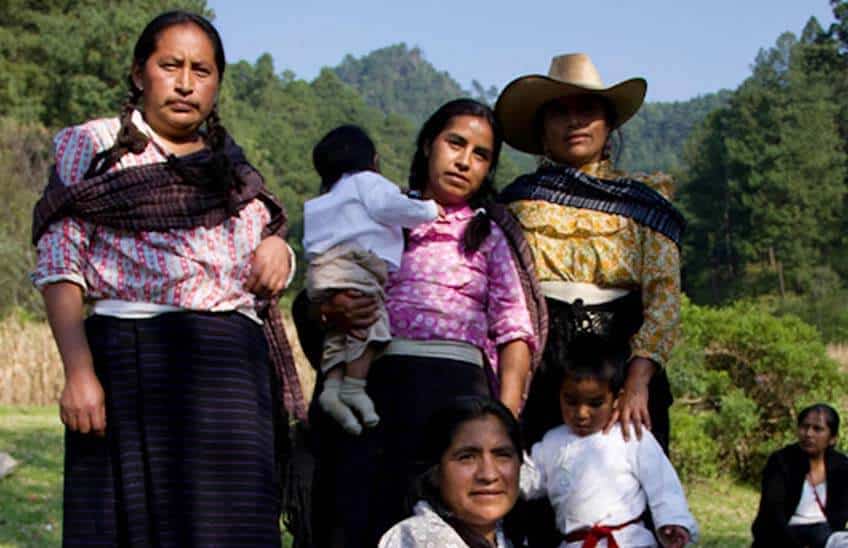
606, 246
461, 325
157, 220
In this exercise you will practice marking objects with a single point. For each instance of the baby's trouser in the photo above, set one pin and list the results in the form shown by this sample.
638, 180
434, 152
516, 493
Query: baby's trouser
349, 267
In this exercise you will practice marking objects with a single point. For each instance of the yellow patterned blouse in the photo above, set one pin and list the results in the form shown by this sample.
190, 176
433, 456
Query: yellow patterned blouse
581, 245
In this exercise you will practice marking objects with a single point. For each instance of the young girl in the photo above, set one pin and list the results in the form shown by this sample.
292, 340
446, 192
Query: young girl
462, 323
353, 237
601, 485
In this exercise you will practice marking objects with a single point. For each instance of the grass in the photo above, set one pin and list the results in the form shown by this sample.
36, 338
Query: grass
724, 511
31, 497
31, 505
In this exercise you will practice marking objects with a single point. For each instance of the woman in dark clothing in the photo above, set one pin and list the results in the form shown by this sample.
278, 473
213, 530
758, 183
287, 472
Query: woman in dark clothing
804, 495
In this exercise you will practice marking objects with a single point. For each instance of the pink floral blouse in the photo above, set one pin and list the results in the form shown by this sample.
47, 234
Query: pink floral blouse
439, 292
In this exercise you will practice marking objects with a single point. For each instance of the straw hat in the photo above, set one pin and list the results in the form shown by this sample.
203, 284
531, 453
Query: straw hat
570, 74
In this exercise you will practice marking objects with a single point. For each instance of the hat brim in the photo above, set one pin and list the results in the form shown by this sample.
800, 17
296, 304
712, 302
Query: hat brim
520, 101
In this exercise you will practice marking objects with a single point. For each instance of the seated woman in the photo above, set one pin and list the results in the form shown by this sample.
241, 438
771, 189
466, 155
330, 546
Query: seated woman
805, 486
473, 452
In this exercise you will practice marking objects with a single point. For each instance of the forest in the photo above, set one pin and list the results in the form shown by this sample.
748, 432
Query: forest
761, 174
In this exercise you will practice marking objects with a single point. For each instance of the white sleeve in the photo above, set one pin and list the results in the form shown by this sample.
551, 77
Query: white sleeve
532, 481
387, 205
292, 266
662, 487
403, 535
392, 538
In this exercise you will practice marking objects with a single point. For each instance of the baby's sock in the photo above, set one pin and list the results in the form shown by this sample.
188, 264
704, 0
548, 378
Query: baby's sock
353, 393
331, 403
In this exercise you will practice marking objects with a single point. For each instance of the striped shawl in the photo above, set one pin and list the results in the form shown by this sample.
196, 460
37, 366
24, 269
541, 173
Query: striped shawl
178, 194
619, 196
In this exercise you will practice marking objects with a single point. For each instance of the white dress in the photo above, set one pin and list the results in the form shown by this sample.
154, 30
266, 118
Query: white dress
602, 480
425, 529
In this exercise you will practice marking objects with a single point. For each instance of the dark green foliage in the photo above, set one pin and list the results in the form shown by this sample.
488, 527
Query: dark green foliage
827, 311
62, 62
398, 79
24, 164
694, 452
765, 185
839, 29
400, 82
743, 374
653, 139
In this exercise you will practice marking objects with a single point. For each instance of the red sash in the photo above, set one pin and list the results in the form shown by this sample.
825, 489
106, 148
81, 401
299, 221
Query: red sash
592, 535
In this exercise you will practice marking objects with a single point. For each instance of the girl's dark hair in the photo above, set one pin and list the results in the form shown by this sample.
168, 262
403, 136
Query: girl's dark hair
438, 437
419, 174
346, 149
831, 417
129, 138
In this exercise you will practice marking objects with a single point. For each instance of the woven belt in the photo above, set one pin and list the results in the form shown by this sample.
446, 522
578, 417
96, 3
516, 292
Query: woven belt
446, 350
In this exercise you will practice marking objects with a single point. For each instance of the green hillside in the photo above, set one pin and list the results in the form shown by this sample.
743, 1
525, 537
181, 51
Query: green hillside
400, 80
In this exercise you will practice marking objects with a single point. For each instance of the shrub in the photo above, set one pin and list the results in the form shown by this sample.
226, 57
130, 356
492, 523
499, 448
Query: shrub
693, 451
748, 373
24, 163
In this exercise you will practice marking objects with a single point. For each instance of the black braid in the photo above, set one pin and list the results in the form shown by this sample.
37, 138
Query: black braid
129, 138
481, 224
216, 140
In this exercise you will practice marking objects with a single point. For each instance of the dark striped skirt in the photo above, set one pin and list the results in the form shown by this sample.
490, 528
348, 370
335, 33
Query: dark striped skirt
188, 457
362, 483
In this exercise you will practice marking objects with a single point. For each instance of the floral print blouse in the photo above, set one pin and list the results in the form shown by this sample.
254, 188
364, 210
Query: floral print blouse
425, 529
580, 245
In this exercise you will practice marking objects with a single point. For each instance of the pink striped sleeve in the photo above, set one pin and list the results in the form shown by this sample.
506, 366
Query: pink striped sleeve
62, 248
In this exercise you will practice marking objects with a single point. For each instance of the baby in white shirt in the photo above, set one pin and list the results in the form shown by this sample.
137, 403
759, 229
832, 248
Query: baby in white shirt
353, 236
600, 485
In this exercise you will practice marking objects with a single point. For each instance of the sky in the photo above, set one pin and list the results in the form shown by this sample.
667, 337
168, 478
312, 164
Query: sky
684, 48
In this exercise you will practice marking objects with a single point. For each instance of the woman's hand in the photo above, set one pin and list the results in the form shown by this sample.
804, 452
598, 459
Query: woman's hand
514, 360
82, 405
632, 407
673, 536
269, 267
350, 311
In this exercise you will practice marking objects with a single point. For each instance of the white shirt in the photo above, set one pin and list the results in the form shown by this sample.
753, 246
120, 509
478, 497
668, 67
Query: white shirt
602, 480
837, 540
367, 210
808, 511
425, 529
